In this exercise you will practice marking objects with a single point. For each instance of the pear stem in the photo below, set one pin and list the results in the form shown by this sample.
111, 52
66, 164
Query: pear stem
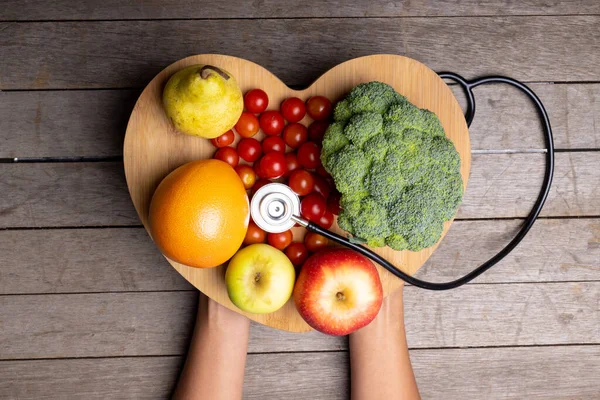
257, 277
340, 296
205, 72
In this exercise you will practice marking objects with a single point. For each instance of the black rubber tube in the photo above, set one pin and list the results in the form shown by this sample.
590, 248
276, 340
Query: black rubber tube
527, 224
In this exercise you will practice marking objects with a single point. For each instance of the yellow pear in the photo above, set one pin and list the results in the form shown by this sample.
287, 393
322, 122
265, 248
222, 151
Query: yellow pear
203, 100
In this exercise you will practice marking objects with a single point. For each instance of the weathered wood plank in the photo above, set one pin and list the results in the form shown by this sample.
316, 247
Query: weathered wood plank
554, 250
506, 185
112, 260
92, 123
64, 123
159, 323
129, 53
506, 118
500, 373
84, 260
155, 9
92, 194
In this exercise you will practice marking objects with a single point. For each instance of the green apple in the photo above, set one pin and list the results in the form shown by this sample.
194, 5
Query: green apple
260, 279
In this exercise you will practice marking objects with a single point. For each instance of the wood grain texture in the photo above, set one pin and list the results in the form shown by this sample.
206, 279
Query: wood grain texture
501, 185
167, 9
565, 372
43, 123
160, 323
64, 123
131, 53
113, 260
153, 148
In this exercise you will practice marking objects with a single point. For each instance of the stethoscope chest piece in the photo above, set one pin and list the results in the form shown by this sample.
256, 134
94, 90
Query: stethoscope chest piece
273, 207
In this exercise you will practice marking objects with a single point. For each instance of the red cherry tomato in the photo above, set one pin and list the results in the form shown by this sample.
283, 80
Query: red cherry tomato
254, 234
309, 155
333, 203
273, 143
247, 175
322, 171
313, 207
273, 165
224, 140
293, 109
229, 155
271, 122
301, 182
318, 107
326, 220
280, 240
249, 149
315, 242
247, 125
260, 183
297, 253
292, 163
321, 186
256, 101
295, 134
316, 131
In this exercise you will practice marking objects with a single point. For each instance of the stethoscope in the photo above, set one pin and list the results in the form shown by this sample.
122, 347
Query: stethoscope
276, 208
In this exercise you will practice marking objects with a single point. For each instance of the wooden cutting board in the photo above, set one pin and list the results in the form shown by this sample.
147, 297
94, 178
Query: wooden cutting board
153, 147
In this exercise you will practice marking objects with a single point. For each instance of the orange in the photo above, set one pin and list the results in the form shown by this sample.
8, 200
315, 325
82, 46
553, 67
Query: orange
199, 214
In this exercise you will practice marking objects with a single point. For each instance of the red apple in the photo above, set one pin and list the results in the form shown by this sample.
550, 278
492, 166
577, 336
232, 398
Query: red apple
338, 291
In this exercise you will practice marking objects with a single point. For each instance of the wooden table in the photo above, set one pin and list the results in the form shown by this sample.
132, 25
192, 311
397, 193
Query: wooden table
89, 308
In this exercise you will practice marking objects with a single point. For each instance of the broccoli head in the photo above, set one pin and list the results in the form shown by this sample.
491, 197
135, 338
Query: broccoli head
398, 174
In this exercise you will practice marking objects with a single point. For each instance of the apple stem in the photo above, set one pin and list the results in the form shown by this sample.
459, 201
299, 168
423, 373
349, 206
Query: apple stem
257, 277
340, 296
205, 72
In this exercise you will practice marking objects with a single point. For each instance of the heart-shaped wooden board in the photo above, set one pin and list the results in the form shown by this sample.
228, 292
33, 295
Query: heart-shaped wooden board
153, 148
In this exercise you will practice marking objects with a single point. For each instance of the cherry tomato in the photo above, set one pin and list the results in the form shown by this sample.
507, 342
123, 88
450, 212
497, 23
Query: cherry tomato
254, 234
313, 207
224, 140
326, 220
301, 182
247, 175
229, 155
316, 131
309, 155
273, 165
318, 107
256, 101
249, 149
271, 122
247, 125
260, 183
322, 171
280, 240
295, 134
333, 203
321, 186
273, 143
258, 170
297, 253
315, 242
292, 163
293, 109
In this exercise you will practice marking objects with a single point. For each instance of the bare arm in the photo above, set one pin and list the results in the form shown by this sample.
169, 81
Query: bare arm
214, 368
380, 365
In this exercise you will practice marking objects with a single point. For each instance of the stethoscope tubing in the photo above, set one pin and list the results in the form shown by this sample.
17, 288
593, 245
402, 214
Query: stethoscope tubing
527, 224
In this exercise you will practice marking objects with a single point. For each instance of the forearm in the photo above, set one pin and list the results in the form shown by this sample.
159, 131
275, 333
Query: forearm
214, 368
380, 364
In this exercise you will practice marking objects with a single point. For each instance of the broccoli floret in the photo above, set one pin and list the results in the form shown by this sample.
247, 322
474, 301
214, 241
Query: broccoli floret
348, 167
398, 174
362, 127
333, 140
